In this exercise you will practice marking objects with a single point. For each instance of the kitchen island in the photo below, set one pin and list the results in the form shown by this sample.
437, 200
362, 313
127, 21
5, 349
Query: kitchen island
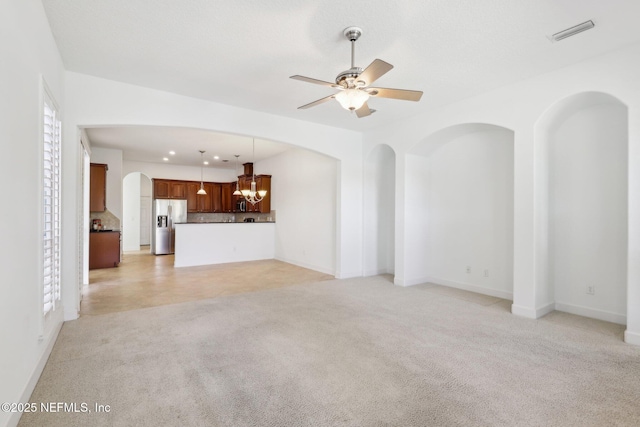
222, 242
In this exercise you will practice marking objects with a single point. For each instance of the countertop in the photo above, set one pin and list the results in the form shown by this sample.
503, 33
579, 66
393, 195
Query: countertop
226, 222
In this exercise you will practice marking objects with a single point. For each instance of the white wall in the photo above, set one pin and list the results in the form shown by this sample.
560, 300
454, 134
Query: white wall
28, 54
131, 211
518, 107
303, 188
98, 102
113, 158
379, 219
588, 211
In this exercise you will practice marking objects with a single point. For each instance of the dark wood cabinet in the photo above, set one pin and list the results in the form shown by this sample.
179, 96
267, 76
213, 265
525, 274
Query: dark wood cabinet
216, 197
192, 197
104, 249
205, 202
98, 187
169, 189
219, 197
161, 189
228, 204
201, 203
263, 182
178, 190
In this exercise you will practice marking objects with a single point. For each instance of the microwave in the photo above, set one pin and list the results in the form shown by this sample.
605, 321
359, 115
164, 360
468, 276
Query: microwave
241, 206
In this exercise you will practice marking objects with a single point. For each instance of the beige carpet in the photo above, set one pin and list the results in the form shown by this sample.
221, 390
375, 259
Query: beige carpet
358, 352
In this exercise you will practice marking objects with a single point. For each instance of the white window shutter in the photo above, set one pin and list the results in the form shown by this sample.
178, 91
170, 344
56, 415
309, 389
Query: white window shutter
51, 206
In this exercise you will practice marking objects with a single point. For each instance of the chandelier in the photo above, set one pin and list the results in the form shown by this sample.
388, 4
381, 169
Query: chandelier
251, 195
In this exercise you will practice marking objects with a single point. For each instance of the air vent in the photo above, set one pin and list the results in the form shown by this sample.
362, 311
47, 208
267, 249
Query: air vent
572, 31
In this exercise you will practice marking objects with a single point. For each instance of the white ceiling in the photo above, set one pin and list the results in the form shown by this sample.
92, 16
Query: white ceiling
154, 143
242, 52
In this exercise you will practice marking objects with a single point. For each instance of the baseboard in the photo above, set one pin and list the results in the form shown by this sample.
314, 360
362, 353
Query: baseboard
377, 272
530, 312
544, 310
410, 282
521, 311
593, 313
472, 288
632, 338
312, 267
35, 374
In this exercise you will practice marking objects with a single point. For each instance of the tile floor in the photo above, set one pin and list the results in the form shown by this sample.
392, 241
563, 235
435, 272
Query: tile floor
144, 280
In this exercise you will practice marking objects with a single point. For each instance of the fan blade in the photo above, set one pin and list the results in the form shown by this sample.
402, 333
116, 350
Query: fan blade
374, 71
314, 81
318, 102
405, 95
364, 111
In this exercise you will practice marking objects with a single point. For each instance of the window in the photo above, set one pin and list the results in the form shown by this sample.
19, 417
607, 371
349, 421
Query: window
51, 205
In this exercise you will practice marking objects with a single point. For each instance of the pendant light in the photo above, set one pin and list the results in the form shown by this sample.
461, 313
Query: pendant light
252, 196
237, 192
201, 190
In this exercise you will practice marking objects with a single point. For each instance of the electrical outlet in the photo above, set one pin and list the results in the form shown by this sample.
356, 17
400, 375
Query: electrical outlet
591, 290
468, 270
486, 273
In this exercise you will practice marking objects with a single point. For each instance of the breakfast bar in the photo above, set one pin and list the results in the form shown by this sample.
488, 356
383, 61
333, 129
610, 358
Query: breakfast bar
217, 243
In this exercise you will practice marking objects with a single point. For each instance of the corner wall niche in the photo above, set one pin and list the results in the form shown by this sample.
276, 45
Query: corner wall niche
379, 211
586, 143
460, 181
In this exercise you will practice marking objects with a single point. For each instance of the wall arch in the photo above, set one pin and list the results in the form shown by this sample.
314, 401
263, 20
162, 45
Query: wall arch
582, 182
379, 211
459, 209
304, 194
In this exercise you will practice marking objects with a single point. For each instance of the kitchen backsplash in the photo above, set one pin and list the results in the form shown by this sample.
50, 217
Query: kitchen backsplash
231, 217
108, 220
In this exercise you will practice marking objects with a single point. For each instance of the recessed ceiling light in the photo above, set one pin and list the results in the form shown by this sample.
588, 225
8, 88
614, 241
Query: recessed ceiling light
205, 162
216, 157
172, 152
166, 159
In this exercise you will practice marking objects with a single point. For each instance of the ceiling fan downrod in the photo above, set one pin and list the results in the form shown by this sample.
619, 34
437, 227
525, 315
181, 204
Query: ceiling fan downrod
353, 33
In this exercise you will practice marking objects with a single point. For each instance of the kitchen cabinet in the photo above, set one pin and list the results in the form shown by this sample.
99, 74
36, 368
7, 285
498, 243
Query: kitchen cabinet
228, 203
192, 196
169, 189
199, 202
219, 197
104, 249
98, 187
216, 197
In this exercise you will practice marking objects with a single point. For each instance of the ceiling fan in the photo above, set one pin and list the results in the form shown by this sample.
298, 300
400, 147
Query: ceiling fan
354, 83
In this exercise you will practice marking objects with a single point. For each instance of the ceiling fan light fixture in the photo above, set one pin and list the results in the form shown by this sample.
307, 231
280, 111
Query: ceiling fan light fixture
352, 99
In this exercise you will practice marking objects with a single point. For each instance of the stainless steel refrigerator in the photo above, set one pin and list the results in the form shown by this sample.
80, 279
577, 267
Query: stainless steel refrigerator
166, 213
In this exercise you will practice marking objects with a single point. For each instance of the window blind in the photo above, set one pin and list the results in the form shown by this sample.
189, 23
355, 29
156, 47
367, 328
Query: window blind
51, 207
